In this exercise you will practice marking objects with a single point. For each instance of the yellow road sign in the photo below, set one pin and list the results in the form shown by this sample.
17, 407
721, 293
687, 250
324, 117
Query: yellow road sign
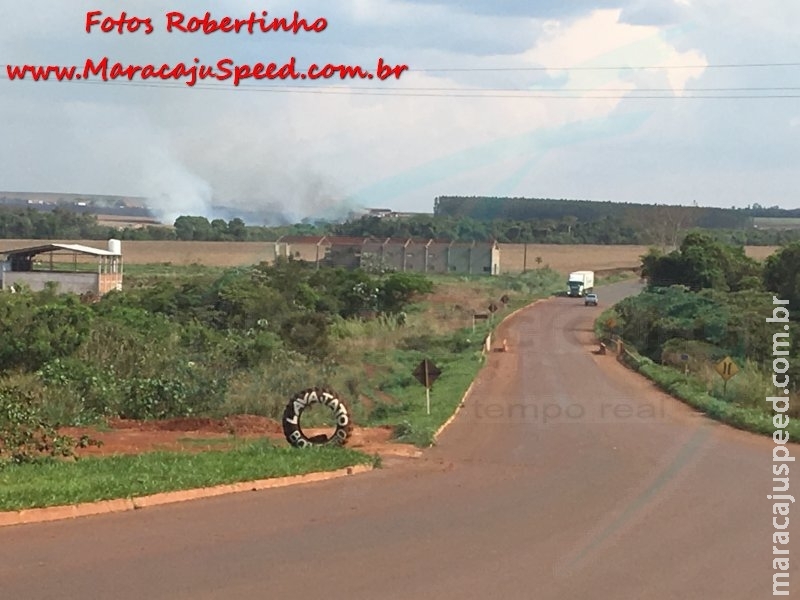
726, 368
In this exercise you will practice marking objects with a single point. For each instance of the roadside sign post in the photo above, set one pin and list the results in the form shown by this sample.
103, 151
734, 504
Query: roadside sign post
493, 308
426, 373
478, 317
726, 369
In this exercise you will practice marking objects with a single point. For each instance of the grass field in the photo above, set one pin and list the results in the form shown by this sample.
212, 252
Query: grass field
93, 479
513, 257
776, 222
564, 258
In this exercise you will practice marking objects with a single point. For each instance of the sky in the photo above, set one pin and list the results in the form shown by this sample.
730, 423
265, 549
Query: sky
651, 101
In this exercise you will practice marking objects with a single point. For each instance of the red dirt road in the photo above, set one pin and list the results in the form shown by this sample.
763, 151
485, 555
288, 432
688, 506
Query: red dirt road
564, 477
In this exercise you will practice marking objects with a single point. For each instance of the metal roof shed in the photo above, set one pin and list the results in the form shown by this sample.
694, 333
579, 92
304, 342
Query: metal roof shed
87, 270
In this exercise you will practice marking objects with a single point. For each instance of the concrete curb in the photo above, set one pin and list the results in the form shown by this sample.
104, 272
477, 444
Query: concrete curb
474, 381
58, 513
455, 413
526, 307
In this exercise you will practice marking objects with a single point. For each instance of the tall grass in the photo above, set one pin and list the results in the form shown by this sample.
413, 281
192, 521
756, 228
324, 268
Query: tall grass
370, 367
442, 331
742, 405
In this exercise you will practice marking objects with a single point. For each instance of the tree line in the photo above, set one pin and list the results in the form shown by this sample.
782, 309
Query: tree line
62, 223
659, 231
666, 227
707, 300
500, 208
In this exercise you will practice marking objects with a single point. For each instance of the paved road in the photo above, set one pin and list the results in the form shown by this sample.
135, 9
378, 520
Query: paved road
564, 477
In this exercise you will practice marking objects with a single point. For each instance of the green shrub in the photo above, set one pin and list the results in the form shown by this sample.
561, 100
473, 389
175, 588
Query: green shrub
95, 388
25, 435
34, 333
154, 398
414, 433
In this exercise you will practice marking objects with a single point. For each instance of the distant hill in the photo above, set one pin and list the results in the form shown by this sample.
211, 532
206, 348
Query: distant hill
782, 223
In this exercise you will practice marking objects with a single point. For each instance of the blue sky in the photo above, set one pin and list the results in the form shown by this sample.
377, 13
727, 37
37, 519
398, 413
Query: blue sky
548, 101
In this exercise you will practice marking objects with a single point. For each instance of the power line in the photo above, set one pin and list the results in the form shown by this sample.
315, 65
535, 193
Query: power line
547, 90
613, 68
404, 90
498, 93
597, 68
735, 93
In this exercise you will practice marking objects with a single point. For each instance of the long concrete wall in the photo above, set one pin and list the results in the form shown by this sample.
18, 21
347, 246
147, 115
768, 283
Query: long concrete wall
77, 283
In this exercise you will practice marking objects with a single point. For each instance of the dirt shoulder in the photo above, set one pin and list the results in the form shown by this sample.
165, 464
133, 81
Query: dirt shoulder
201, 434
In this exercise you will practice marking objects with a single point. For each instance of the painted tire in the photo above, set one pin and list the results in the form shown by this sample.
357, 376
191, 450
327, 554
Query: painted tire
302, 400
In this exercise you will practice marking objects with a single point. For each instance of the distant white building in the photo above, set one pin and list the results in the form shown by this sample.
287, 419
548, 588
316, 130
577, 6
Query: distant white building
388, 212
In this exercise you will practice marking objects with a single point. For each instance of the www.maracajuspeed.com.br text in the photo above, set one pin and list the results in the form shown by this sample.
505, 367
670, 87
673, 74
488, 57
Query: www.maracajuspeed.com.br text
225, 69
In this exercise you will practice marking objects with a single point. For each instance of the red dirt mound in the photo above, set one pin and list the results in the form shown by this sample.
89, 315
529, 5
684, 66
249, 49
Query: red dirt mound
192, 434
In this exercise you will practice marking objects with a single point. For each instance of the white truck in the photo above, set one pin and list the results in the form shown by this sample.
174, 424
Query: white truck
580, 283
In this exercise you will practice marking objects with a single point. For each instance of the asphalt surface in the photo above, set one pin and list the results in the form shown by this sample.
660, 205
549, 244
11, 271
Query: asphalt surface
564, 477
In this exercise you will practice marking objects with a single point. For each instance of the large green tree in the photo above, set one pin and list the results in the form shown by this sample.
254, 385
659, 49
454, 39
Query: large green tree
782, 276
702, 262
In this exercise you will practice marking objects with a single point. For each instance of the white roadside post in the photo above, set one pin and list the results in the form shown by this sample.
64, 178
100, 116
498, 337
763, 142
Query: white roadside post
426, 373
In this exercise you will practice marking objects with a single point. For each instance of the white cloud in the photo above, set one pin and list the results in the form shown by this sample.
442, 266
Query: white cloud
601, 40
